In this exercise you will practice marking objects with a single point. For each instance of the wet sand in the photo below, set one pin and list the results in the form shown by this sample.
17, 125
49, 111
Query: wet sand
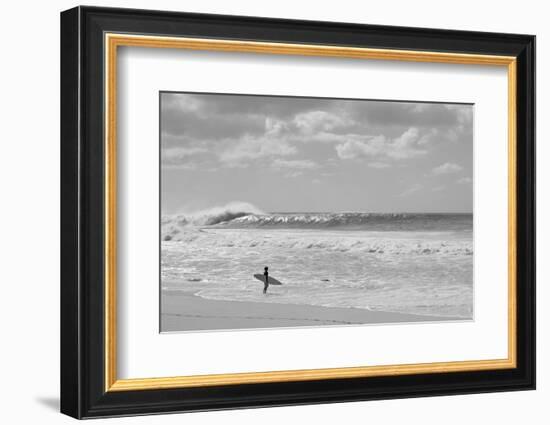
186, 312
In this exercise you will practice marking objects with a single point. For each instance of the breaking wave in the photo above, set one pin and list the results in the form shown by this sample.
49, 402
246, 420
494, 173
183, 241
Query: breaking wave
212, 216
246, 215
356, 220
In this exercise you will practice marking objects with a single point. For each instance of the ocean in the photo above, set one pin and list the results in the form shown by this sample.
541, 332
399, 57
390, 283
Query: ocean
398, 262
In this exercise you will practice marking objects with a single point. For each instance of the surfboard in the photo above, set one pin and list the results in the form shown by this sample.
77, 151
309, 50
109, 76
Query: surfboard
271, 280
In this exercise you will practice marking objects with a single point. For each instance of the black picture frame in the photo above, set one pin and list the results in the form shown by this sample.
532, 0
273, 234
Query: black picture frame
83, 392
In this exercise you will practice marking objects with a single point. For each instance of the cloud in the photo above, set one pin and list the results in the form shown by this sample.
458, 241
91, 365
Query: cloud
464, 114
411, 190
298, 164
181, 157
294, 167
410, 114
310, 111
293, 174
178, 153
239, 130
251, 148
402, 147
446, 168
181, 102
190, 166
362, 146
202, 115
378, 165
405, 145
464, 180
207, 116
230, 151
320, 121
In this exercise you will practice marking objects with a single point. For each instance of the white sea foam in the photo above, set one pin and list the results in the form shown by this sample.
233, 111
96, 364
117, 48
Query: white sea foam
359, 242
415, 272
212, 216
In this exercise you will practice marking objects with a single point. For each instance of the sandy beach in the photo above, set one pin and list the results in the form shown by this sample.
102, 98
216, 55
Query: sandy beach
186, 312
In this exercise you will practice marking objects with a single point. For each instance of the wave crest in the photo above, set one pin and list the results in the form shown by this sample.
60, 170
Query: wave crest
356, 220
237, 215
172, 225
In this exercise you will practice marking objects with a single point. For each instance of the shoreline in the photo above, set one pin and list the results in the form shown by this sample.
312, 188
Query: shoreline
183, 311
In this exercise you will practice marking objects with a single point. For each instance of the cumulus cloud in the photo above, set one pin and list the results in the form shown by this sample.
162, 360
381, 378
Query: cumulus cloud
402, 147
406, 145
446, 168
241, 130
300, 141
320, 121
358, 146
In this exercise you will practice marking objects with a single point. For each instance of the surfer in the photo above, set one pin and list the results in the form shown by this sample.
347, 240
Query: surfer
266, 275
266, 279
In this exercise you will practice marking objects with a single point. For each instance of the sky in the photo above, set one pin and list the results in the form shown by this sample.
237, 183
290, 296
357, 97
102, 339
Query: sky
293, 154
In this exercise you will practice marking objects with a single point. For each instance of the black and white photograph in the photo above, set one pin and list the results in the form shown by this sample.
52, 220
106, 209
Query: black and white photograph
300, 211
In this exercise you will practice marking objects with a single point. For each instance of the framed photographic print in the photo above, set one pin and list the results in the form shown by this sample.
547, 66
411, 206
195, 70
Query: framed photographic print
261, 212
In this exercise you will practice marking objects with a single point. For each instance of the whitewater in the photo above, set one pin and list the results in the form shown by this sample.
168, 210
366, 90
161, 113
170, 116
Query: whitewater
400, 262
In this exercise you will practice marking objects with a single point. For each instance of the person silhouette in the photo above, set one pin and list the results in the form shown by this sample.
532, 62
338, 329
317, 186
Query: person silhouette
266, 275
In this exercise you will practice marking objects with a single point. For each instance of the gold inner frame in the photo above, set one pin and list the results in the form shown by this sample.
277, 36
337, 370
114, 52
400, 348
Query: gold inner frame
113, 41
